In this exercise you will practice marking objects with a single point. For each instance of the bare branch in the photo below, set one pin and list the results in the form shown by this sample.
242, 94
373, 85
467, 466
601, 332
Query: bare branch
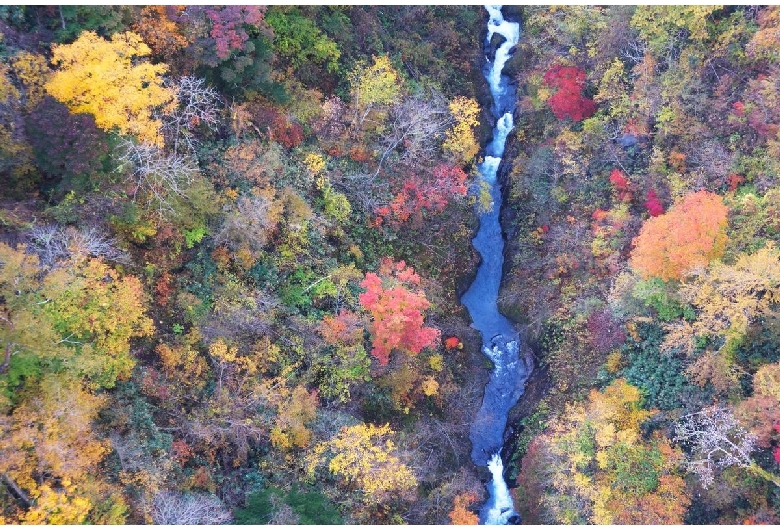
159, 175
53, 244
718, 441
175, 508
198, 105
418, 122
634, 50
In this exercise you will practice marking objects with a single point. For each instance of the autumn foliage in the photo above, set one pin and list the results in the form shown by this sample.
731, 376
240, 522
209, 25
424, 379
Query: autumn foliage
653, 204
452, 343
365, 457
622, 187
278, 127
227, 26
592, 465
396, 311
568, 101
157, 26
460, 139
420, 195
107, 80
460, 514
689, 235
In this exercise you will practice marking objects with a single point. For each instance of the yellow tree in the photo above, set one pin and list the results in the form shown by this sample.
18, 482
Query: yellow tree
731, 302
460, 140
54, 329
373, 85
99, 312
733, 298
297, 409
614, 91
593, 466
49, 454
31, 70
107, 80
79, 318
365, 458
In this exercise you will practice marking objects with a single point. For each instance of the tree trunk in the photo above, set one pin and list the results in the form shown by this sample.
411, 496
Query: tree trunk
16, 489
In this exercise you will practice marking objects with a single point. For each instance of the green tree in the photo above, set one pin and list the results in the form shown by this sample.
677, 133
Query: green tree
660, 25
298, 40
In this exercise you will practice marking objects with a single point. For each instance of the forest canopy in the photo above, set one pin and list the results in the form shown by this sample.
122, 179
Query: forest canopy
233, 241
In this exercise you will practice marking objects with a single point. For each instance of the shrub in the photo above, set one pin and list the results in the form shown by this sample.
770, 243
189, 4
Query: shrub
659, 376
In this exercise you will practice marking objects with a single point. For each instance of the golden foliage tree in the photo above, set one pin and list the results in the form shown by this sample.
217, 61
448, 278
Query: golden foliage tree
731, 301
50, 455
79, 318
96, 309
592, 465
460, 140
31, 70
373, 85
294, 412
689, 235
733, 298
107, 80
365, 458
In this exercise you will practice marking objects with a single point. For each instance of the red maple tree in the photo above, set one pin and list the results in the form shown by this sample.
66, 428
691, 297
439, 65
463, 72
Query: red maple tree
653, 205
396, 311
620, 181
568, 101
419, 195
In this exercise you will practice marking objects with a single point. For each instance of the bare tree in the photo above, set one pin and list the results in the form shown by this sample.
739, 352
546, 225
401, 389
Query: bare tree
252, 222
717, 440
634, 49
176, 508
198, 105
417, 124
332, 123
54, 243
159, 175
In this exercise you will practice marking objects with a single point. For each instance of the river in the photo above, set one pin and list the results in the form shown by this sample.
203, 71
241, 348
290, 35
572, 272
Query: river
500, 338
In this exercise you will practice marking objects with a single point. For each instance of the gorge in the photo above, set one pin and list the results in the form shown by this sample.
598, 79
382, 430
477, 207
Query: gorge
500, 339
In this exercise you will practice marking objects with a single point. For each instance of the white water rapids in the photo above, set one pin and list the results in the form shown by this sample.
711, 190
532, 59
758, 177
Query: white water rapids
500, 339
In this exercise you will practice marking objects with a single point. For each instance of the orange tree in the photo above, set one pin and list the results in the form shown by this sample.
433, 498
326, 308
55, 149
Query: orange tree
689, 235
